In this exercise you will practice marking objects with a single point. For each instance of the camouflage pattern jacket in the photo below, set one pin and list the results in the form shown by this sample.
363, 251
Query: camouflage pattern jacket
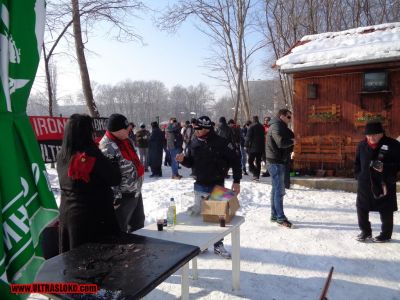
131, 182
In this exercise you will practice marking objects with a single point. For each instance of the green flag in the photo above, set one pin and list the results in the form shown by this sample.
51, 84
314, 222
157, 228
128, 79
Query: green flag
26, 201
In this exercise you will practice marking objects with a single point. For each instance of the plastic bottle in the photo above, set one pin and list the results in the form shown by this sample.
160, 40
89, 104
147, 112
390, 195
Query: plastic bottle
171, 215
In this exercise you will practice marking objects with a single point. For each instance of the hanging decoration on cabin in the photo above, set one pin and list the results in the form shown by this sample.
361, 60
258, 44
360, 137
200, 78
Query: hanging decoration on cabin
363, 117
323, 114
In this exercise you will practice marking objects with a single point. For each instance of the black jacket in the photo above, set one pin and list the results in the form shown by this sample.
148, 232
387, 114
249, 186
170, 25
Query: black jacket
223, 130
279, 142
156, 144
86, 209
255, 138
367, 176
211, 159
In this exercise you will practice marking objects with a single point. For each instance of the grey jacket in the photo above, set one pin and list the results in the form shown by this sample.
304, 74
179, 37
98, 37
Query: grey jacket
279, 142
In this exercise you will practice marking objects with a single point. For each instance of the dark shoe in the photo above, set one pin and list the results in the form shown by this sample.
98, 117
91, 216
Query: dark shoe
153, 175
221, 251
245, 173
380, 239
362, 237
285, 223
265, 174
146, 170
227, 176
273, 219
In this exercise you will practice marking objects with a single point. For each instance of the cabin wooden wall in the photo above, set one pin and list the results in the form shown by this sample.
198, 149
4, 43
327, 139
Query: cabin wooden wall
343, 87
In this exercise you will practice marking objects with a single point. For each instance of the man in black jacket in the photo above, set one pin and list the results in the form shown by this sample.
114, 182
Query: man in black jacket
376, 166
255, 144
210, 156
280, 142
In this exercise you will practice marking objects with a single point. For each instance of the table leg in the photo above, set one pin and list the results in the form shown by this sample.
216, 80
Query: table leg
236, 258
185, 282
195, 273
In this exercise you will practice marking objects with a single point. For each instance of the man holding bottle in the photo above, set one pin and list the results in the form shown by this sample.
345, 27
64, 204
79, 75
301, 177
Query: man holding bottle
210, 156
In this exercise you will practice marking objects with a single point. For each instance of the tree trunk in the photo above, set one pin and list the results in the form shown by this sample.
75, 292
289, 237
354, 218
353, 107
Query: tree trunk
80, 53
48, 81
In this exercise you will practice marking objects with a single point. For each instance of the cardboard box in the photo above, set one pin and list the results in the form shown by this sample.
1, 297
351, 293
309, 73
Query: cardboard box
222, 202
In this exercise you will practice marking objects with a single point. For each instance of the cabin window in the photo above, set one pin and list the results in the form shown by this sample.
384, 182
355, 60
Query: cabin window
375, 81
312, 91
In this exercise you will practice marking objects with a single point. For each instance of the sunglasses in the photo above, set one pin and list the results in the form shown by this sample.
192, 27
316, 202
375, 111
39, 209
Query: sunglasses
289, 117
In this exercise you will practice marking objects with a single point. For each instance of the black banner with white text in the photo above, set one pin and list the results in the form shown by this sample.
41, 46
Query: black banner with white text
49, 132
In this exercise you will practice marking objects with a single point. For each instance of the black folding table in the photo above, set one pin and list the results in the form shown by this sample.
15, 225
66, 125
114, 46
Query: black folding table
127, 267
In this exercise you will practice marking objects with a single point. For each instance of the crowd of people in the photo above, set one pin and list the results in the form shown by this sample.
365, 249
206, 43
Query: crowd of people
101, 183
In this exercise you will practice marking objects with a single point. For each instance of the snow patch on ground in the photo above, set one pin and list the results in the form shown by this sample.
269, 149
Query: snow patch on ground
279, 263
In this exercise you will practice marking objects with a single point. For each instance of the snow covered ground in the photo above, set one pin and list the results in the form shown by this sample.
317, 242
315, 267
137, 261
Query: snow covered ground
279, 263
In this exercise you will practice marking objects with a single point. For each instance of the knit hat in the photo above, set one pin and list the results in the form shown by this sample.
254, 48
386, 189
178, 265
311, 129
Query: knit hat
142, 125
222, 120
117, 122
373, 128
204, 122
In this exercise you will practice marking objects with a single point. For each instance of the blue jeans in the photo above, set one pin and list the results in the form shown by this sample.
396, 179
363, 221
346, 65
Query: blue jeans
174, 163
243, 157
277, 172
204, 190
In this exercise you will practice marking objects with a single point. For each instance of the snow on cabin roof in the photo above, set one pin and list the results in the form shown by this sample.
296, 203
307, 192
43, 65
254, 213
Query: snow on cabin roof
362, 45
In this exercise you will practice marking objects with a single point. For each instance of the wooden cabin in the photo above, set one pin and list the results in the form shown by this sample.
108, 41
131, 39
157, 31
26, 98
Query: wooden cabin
341, 80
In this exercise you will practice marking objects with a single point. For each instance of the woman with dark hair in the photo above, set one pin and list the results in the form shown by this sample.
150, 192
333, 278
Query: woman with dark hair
86, 176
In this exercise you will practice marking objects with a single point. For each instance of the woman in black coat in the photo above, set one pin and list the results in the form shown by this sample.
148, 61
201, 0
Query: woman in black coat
85, 176
156, 144
376, 165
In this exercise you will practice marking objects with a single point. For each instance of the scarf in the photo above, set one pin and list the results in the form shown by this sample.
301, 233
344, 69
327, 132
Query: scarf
372, 146
127, 152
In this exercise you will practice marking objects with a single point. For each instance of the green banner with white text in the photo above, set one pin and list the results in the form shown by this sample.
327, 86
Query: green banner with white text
26, 201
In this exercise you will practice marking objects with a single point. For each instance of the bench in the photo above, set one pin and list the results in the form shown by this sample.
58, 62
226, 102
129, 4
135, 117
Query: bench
327, 149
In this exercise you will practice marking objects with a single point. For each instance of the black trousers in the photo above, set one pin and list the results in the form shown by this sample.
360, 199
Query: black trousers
130, 212
255, 169
156, 170
365, 224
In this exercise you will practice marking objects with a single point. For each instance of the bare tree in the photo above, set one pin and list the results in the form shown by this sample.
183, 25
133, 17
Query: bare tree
83, 15
287, 21
226, 22
146, 101
51, 81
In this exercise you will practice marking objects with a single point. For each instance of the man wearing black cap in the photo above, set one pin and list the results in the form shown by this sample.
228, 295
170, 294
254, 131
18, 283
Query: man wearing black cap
210, 156
128, 202
376, 165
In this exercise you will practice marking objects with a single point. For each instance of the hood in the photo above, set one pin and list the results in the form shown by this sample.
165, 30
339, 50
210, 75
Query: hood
275, 120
